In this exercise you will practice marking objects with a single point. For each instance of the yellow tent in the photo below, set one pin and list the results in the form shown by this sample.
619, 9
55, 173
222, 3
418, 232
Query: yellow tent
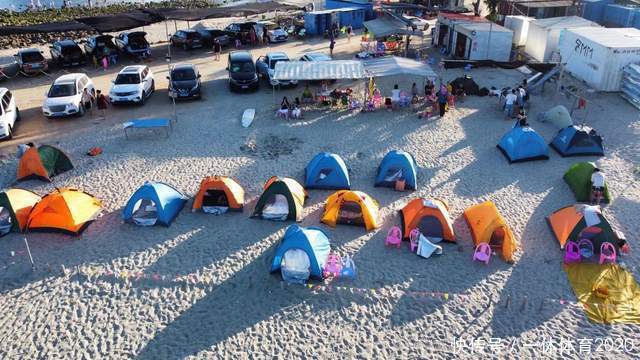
608, 293
488, 226
65, 210
352, 208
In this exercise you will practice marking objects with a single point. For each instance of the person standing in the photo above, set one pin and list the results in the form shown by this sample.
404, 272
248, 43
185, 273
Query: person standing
597, 186
88, 100
509, 103
103, 104
265, 37
442, 100
217, 48
252, 36
349, 33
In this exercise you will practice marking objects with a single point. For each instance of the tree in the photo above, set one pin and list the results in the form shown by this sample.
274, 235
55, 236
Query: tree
493, 6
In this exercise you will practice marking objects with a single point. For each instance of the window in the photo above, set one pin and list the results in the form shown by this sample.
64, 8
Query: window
31, 57
125, 78
241, 66
62, 90
183, 74
6, 99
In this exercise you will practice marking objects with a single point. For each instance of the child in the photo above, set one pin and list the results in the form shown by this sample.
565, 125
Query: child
103, 103
217, 48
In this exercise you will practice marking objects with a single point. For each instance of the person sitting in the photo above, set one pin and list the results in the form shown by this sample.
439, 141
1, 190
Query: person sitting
597, 186
307, 96
285, 106
395, 94
428, 88
414, 93
296, 112
522, 119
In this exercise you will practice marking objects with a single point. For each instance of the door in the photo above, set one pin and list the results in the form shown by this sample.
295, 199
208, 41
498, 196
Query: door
461, 46
442, 33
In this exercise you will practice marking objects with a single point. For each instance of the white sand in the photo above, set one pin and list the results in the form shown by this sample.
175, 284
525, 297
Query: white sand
235, 308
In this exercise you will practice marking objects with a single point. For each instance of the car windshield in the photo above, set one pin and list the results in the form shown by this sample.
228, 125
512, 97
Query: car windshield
275, 61
30, 57
71, 50
183, 74
244, 66
124, 79
62, 90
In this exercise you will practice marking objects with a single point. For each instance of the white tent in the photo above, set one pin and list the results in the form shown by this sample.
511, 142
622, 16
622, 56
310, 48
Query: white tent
393, 65
319, 70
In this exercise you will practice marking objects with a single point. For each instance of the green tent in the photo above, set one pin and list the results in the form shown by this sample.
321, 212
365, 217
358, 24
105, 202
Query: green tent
578, 177
43, 163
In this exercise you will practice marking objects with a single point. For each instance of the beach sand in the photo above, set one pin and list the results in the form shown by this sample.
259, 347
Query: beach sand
204, 288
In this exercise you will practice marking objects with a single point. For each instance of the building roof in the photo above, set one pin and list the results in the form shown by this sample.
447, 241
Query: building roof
545, 4
611, 37
462, 17
484, 27
563, 22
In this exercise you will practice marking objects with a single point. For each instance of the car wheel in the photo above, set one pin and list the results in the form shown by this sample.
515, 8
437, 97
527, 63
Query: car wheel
144, 98
185, 47
10, 133
18, 118
153, 85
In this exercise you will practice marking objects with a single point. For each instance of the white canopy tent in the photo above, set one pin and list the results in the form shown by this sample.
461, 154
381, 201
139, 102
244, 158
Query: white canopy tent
319, 70
393, 65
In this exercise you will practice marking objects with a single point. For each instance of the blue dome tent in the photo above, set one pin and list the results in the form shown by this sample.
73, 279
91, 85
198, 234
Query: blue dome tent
397, 165
327, 171
152, 203
523, 144
578, 140
312, 240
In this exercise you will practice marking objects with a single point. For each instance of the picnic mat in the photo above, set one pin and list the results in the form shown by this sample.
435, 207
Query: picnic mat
609, 293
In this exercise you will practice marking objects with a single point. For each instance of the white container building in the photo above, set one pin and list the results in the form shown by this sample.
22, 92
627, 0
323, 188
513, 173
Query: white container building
543, 35
598, 56
520, 27
482, 41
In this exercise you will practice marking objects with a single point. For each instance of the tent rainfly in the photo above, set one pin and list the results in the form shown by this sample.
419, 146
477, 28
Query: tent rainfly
319, 70
385, 26
393, 65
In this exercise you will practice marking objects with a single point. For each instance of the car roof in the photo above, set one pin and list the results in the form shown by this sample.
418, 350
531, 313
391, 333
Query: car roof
318, 56
240, 55
189, 30
28, 50
183, 66
132, 69
68, 78
277, 55
67, 42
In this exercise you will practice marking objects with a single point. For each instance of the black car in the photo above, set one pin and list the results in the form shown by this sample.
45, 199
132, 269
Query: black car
67, 53
211, 34
242, 71
187, 39
100, 45
184, 82
31, 61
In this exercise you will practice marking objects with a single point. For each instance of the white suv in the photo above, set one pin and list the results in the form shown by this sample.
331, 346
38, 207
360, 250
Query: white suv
133, 84
65, 95
9, 113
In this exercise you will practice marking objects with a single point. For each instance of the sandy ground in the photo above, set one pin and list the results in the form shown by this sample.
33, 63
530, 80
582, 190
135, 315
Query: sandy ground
205, 290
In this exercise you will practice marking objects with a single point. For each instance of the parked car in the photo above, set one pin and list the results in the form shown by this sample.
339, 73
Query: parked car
315, 57
184, 81
187, 39
419, 23
241, 30
134, 84
266, 67
133, 43
211, 34
275, 33
100, 45
64, 97
31, 61
242, 71
67, 53
9, 114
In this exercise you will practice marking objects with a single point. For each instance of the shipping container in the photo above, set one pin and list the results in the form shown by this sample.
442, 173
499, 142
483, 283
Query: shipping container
543, 35
365, 5
482, 41
620, 15
520, 27
594, 9
597, 56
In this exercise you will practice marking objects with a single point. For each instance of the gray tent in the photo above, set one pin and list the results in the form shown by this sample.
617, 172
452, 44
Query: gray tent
558, 116
393, 65
319, 70
386, 26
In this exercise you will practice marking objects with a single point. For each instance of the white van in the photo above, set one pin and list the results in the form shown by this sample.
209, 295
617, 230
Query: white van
9, 113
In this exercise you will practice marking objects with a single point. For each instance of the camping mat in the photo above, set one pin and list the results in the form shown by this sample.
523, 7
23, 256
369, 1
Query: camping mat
608, 293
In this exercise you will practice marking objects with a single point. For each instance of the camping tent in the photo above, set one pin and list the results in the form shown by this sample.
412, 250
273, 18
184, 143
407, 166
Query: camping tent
15, 207
43, 163
219, 191
488, 226
386, 25
466, 82
319, 70
568, 223
430, 216
281, 199
523, 144
578, 177
351, 208
313, 241
578, 140
397, 165
327, 171
558, 116
64, 210
154, 202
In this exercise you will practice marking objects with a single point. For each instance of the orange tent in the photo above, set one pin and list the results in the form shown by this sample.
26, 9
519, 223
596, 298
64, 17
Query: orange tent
430, 216
351, 207
43, 163
65, 210
219, 191
488, 226
568, 222
17, 204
